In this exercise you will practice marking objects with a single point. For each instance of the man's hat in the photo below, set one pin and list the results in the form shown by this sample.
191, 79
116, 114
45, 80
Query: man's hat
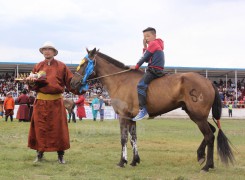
48, 44
8, 93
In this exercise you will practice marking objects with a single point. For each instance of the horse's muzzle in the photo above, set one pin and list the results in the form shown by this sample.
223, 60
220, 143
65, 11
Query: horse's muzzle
75, 84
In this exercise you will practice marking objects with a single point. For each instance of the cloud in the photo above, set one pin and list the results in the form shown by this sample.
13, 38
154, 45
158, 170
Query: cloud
196, 33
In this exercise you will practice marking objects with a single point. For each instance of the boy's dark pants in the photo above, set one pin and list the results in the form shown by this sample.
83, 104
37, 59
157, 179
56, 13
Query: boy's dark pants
150, 75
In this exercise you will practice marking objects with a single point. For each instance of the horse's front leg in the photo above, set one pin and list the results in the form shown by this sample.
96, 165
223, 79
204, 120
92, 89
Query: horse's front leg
69, 114
124, 140
73, 116
133, 141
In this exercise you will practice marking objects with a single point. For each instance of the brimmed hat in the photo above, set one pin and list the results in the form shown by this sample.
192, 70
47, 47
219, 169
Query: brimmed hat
48, 44
8, 93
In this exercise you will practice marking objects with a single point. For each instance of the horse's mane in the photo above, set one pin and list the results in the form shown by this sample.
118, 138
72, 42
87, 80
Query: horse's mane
112, 61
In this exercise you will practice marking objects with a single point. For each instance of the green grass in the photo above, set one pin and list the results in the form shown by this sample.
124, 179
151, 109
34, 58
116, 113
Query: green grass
167, 149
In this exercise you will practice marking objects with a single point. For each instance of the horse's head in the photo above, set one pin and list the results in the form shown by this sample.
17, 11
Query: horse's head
84, 71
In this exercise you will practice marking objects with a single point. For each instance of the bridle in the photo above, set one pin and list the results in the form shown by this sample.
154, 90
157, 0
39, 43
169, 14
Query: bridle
100, 77
87, 57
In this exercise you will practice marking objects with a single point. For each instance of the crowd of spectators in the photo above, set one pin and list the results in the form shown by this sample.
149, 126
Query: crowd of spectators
227, 91
8, 84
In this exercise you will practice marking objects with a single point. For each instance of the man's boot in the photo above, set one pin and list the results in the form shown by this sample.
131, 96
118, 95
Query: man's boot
39, 157
61, 159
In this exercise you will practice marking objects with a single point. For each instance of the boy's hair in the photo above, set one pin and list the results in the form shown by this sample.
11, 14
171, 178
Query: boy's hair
152, 30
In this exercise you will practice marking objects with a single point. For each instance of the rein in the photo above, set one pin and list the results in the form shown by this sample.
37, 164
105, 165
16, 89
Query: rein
120, 72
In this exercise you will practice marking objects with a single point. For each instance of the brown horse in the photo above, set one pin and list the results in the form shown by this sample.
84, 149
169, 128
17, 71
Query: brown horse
194, 93
70, 105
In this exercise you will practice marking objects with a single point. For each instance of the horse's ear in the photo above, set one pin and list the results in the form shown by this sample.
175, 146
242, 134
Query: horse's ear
87, 50
93, 52
97, 50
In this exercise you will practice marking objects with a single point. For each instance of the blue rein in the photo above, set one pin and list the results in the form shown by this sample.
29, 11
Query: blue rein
88, 71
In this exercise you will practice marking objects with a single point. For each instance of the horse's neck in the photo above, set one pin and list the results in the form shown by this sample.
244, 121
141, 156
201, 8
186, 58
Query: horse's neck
111, 82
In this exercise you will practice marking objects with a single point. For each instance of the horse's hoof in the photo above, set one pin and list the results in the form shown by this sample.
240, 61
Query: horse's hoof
201, 161
203, 171
120, 165
133, 164
122, 162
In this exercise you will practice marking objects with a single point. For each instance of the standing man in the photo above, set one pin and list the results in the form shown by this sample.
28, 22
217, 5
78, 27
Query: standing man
49, 127
95, 107
23, 111
80, 107
101, 109
8, 106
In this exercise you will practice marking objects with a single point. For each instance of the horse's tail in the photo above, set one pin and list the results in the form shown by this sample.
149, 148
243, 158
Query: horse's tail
223, 143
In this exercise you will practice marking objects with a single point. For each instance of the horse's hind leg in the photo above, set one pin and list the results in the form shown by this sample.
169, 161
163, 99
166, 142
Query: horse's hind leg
209, 139
73, 116
124, 139
201, 156
133, 141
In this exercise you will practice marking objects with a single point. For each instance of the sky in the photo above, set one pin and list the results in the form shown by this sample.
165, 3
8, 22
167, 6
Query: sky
196, 33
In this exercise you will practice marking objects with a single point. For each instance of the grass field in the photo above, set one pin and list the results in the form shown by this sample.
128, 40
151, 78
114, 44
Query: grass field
167, 149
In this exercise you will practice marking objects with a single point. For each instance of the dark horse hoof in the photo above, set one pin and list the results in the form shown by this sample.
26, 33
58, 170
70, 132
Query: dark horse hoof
135, 161
201, 161
204, 171
206, 168
201, 158
122, 162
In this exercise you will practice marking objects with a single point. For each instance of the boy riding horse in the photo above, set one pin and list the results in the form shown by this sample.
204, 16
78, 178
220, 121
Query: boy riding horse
154, 56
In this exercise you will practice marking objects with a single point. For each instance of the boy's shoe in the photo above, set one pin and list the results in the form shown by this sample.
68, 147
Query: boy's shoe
142, 113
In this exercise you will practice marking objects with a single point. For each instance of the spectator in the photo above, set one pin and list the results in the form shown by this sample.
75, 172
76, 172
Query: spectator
23, 111
230, 109
95, 107
80, 107
9, 106
101, 108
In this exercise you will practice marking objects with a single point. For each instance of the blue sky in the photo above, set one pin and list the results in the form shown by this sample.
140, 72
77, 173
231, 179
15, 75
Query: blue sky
196, 33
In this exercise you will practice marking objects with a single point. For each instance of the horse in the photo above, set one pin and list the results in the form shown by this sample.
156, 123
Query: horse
190, 91
70, 105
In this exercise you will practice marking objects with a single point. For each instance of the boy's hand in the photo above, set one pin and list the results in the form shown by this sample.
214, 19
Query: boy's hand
145, 43
132, 67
